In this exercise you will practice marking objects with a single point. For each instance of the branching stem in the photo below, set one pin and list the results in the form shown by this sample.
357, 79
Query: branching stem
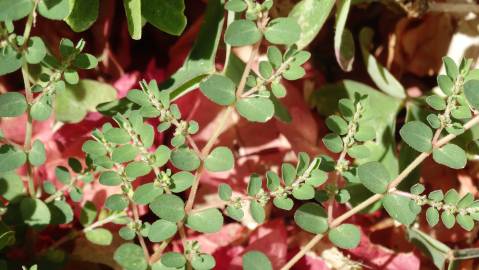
376, 197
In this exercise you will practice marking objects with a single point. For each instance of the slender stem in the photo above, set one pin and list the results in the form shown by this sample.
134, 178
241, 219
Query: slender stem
376, 197
136, 216
29, 96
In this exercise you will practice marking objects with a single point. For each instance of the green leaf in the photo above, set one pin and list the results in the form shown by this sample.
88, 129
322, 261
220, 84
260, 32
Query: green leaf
417, 135
417, 189
333, 142
384, 80
203, 262
11, 158
288, 173
445, 84
88, 214
11, 186
465, 201
173, 259
34, 212
166, 15
317, 178
256, 260
242, 33
124, 153
283, 203
311, 16
274, 56
83, 14
272, 180
73, 104
36, 50
181, 181
12, 104
337, 124
162, 155
146, 193
255, 184
169, 207
345, 236
117, 135
85, 61
303, 192
117, 202
185, 159
448, 219
10, 60
312, 218
284, 31
137, 169
37, 155
235, 5
93, 148
374, 176
161, 230
436, 102
255, 109
206, 221
278, 91
432, 216
133, 17
471, 92
359, 151
450, 155
99, 236
130, 256
42, 109
16, 10
265, 69
294, 72
61, 212
63, 175
451, 68
225, 192
451, 197
126, 233
397, 208
219, 89
465, 221
54, 9
343, 39
257, 212
110, 178
219, 160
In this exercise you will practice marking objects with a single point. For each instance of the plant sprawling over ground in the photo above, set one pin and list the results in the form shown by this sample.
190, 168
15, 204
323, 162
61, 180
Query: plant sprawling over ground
215, 158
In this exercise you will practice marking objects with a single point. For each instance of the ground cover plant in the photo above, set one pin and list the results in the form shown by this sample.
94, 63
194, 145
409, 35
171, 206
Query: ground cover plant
238, 134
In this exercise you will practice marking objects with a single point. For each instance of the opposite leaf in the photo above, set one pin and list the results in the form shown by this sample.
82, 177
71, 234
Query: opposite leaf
242, 33
450, 155
312, 218
255, 260
219, 160
417, 135
206, 221
345, 236
219, 89
374, 176
256, 109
